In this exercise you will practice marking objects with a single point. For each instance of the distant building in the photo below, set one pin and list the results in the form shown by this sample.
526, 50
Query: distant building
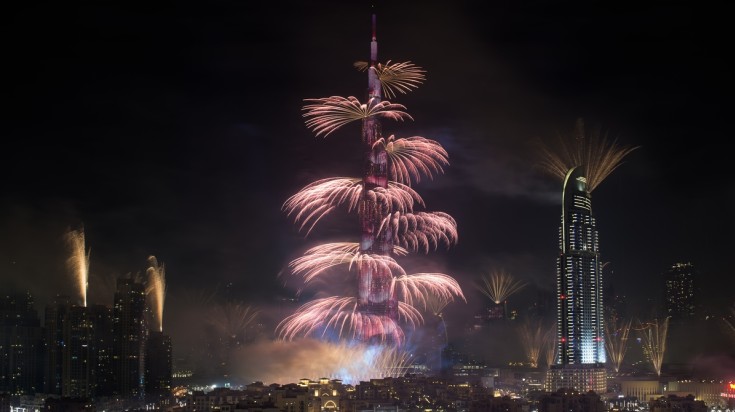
679, 290
65, 404
673, 403
21, 345
565, 400
77, 371
158, 366
128, 317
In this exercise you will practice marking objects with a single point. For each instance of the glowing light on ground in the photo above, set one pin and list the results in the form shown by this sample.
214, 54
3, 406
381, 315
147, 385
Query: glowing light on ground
78, 261
156, 289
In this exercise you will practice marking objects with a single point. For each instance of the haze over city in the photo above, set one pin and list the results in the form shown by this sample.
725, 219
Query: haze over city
176, 131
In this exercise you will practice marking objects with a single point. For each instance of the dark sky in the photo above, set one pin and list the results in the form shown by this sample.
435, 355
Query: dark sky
175, 129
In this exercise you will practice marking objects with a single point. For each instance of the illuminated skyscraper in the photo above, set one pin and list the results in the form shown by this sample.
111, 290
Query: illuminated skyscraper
679, 290
580, 342
128, 317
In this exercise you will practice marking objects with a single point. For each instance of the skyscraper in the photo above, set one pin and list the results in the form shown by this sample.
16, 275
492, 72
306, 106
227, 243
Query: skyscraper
54, 344
580, 359
158, 366
128, 317
680, 291
21, 345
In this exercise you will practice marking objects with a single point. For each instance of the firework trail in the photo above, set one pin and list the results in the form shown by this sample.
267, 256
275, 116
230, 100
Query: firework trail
232, 320
384, 202
78, 261
156, 289
532, 339
730, 323
498, 286
616, 340
550, 346
594, 152
653, 335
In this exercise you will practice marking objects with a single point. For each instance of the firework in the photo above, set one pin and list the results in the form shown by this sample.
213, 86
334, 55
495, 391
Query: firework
156, 289
327, 114
384, 202
342, 315
78, 261
730, 323
498, 286
550, 347
318, 199
395, 77
412, 157
421, 231
594, 152
616, 340
231, 320
532, 339
653, 335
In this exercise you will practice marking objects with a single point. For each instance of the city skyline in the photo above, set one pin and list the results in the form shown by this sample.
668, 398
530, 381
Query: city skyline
178, 134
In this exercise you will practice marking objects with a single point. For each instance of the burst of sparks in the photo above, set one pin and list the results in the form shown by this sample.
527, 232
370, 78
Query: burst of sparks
595, 153
532, 339
550, 345
413, 156
327, 114
317, 260
341, 314
499, 286
616, 340
78, 261
436, 304
396, 77
232, 319
422, 230
319, 198
654, 341
413, 289
156, 289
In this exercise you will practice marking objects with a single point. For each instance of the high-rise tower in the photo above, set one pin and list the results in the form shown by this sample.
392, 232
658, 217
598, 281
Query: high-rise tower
580, 341
129, 338
679, 290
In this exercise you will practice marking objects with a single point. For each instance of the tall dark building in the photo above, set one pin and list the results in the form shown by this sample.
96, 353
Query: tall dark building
21, 345
101, 319
128, 317
77, 371
580, 342
158, 366
54, 344
680, 290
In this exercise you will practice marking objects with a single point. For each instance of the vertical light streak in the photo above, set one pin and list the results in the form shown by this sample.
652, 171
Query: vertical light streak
499, 286
653, 334
156, 289
550, 346
78, 261
616, 340
532, 339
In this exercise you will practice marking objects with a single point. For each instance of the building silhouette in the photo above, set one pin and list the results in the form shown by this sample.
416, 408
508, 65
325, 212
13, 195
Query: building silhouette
158, 366
54, 344
580, 342
129, 332
21, 345
679, 290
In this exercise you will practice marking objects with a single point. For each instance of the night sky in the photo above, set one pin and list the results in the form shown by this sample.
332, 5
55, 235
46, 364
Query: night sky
174, 129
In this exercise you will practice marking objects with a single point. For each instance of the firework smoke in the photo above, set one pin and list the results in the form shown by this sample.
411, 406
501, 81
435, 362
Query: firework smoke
156, 289
286, 362
730, 323
654, 341
532, 339
232, 320
594, 152
616, 340
498, 286
78, 261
